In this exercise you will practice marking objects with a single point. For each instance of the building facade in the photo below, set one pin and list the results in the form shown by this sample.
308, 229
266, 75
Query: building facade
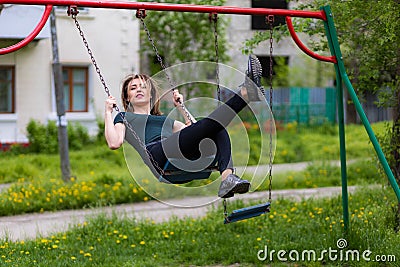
26, 76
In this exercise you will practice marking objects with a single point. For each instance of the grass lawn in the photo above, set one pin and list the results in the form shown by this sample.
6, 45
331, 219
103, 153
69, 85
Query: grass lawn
308, 233
310, 228
103, 177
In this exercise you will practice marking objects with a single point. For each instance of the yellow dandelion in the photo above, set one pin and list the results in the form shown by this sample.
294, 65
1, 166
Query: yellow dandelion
117, 241
258, 238
142, 242
133, 245
73, 258
87, 254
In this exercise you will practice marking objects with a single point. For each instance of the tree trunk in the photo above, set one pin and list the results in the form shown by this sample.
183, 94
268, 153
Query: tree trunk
395, 142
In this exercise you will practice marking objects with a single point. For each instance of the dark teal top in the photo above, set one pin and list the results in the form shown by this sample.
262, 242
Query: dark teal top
150, 128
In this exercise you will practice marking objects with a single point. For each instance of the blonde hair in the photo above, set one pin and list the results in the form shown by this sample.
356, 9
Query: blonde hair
155, 108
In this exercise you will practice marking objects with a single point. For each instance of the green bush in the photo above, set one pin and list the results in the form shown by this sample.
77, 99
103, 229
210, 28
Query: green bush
44, 138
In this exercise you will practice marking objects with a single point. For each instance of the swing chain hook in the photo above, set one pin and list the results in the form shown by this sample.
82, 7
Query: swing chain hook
72, 11
141, 13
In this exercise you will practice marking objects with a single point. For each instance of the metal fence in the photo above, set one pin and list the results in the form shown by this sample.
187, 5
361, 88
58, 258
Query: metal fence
310, 106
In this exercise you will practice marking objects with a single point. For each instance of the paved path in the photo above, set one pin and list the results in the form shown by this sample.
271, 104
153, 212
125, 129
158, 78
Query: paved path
30, 226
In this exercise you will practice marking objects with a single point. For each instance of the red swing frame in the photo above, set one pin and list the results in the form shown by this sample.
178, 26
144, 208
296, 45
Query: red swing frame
168, 7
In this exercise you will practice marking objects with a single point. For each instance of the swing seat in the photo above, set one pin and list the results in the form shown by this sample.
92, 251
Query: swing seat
248, 212
175, 175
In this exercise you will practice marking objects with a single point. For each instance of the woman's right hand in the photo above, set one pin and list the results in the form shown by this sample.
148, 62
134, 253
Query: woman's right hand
111, 102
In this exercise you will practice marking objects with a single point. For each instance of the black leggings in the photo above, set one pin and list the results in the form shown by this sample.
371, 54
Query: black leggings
191, 141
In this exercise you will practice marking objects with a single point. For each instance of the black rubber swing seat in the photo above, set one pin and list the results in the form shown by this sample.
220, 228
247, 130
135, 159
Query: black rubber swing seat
176, 175
248, 212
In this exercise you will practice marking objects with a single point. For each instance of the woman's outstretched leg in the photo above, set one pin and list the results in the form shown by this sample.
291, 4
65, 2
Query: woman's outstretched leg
188, 141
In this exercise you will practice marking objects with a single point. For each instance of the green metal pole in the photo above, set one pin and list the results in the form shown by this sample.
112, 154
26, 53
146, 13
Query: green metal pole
335, 50
342, 139
342, 143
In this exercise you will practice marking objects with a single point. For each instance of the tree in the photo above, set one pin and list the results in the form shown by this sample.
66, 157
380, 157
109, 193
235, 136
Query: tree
369, 34
181, 37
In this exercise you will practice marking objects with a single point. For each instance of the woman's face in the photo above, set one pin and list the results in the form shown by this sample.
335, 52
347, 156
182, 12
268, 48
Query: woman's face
139, 93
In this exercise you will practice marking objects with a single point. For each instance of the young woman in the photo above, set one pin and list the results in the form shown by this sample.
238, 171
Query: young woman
164, 137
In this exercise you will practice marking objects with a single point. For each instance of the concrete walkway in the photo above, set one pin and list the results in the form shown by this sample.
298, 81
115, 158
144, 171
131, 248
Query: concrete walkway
30, 226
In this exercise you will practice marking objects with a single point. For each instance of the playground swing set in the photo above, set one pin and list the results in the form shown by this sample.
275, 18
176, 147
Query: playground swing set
171, 174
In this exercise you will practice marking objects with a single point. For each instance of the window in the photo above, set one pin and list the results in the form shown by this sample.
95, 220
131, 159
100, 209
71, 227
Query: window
75, 89
7, 89
258, 22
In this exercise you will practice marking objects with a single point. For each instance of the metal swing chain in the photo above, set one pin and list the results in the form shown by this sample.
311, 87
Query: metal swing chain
141, 14
270, 21
214, 18
73, 12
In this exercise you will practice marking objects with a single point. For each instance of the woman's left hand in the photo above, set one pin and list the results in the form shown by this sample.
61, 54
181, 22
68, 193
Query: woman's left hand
178, 98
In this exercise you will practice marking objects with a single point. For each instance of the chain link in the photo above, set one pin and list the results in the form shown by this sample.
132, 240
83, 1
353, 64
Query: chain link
270, 21
214, 18
73, 11
225, 209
